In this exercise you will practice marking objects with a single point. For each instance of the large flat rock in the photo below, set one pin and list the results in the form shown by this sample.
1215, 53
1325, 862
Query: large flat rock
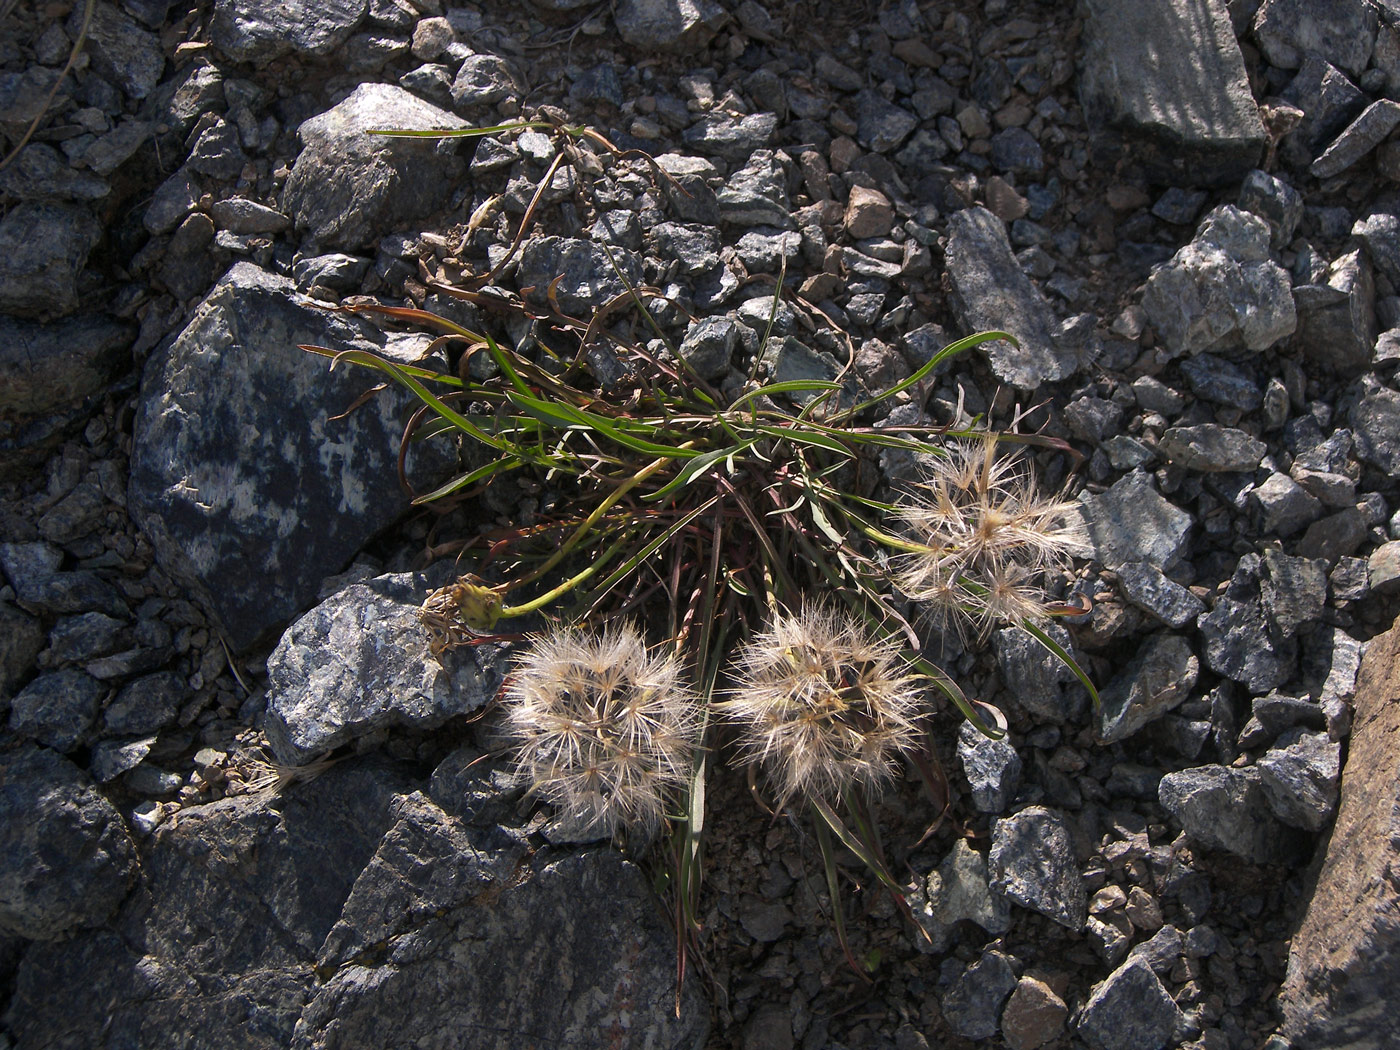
250, 493
1163, 85
1344, 962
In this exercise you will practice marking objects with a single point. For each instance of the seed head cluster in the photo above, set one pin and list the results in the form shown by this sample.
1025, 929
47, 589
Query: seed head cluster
988, 534
822, 706
604, 729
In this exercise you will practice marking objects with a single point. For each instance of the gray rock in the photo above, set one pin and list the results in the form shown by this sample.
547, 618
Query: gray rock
77, 639
709, 344
991, 292
730, 137
992, 768
259, 31
129, 56
43, 248
756, 194
237, 898
115, 148
793, 360
958, 890
146, 704
1274, 201
1015, 150
1190, 120
1032, 862
1380, 233
1294, 590
1337, 318
972, 1006
1329, 102
1227, 809
1147, 588
1131, 522
1362, 136
1345, 955
249, 494
694, 248
1212, 448
1179, 206
1156, 681
1222, 290
1093, 418
112, 758
239, 215
348, 187
881, 125
588, 279
1376, 423
1300, 774
40, 172
66, 860
1239, 645
22, 638
218, 152
678, 25
173, 199
1037, 679
336, 271
1342, 32
1334, 536
360, 661
57, 709
1215, 379
1161, 950
482, 80
1273, 714
1383, 567
1129, 1010
52, 377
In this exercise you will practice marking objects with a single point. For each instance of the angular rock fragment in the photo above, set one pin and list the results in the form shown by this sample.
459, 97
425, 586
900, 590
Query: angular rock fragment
360, 661
1129, 1010
1300, 774
991, 292
259, 31
1157, 679
1212, 448
1032, 862
43, 248
1337, 317
677, 25
66, 860
992, 768
1343, 32
1164, 86
958, 890
349, 187
1363, 135
1223, 290
1132, 522
1227, 809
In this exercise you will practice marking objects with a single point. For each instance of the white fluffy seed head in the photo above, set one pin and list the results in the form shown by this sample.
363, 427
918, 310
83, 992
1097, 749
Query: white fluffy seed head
822, 706
603, 729
989, 534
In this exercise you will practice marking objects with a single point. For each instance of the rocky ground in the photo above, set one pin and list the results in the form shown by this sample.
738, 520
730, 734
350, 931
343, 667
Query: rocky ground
240, 802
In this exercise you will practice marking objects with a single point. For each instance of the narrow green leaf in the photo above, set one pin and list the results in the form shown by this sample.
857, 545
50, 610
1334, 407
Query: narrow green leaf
1063, 655
788, 386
